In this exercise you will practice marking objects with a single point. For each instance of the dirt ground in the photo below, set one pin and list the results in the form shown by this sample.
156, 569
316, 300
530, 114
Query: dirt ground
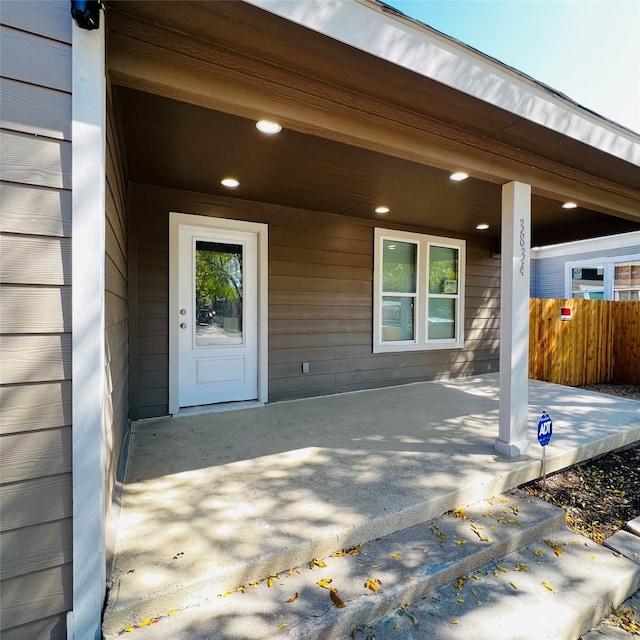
600, 495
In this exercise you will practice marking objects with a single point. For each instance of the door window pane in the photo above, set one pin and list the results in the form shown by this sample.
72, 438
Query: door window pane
218, 294
399, 267
397, 318
443, 270
441, 323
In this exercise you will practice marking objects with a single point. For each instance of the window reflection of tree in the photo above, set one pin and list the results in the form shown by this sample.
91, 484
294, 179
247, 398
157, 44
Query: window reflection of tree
219, 280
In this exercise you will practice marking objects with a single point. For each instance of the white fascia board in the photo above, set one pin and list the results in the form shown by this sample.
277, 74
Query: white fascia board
391, 36
631, 240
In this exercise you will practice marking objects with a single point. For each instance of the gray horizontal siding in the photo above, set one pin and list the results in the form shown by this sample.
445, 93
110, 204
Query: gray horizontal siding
34, 109
35, 319
47, 18
28, 209
116, 324
31, 58
53, 628
320, 304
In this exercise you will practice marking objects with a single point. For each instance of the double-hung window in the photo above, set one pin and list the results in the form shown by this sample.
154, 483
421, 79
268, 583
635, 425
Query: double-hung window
418, 292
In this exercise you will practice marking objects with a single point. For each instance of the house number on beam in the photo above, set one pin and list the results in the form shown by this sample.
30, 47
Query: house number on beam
523, 251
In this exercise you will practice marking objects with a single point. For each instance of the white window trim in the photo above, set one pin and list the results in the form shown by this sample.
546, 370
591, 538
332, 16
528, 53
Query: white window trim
608, 262
420, 342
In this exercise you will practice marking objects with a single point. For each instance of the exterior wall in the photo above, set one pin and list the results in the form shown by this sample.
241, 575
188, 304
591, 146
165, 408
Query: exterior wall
116, 326
35, 319
549, 277
548, 271
320, 302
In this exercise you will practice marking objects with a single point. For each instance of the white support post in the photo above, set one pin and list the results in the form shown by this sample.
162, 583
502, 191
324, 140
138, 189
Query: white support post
514, 319
88, 322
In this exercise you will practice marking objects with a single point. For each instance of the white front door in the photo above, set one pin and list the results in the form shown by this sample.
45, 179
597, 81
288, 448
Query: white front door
217, 315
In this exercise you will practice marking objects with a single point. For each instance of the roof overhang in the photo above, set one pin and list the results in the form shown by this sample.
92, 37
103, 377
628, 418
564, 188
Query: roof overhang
391, 122
376, 28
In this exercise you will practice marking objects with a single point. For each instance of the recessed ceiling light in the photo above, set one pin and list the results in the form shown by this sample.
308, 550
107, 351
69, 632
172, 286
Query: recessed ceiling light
483, 226
458, 176
569, 205
232, 183
268, 127
382, 210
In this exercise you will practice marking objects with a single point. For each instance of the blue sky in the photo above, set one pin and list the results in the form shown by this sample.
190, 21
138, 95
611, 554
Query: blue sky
587, 49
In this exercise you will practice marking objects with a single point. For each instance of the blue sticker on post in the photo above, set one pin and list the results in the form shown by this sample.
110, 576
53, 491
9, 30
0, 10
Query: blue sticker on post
545, 429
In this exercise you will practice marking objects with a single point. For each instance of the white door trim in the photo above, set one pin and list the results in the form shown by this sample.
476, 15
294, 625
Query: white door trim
261, 230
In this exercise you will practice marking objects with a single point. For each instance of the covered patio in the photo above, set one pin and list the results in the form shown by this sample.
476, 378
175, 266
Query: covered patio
215, 500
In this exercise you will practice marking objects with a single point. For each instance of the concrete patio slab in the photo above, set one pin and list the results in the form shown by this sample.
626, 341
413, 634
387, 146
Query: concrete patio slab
216, 500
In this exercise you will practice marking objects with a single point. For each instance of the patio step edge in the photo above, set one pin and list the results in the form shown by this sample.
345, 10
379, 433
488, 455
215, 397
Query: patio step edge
559, 597
510, 521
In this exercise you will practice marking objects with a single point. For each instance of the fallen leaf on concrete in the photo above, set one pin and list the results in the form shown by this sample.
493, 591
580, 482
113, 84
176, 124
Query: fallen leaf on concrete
557, 549
624, 619
547, 586
442, 536
317, 563
336, 599
460, 582
405, 610
372, 584
324, 583
293, 598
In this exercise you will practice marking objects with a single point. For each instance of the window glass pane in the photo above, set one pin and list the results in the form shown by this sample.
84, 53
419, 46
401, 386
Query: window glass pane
587, 282
443, 270
218, 293
622, 277
399, 266
397, 318
626, 281
441, 323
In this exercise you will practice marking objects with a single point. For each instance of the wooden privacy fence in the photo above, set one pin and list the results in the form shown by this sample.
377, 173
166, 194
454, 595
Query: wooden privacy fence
601, 342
